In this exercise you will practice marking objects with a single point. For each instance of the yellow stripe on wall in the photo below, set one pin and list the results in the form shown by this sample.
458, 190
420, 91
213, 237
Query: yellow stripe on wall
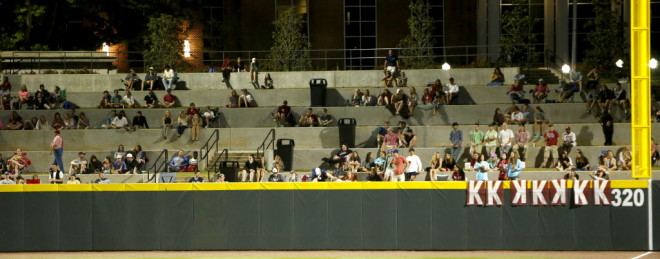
132, 187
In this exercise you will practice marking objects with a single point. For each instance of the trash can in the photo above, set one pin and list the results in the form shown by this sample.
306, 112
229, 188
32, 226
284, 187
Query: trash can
285, 151
317, 90
347, 132
230, 170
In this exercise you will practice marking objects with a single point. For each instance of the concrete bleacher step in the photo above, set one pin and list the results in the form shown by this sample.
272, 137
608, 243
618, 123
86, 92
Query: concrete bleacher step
372, 115
248, 139
301, 97
533, 75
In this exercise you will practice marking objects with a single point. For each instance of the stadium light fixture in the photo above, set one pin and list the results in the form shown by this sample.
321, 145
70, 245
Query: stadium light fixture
105, 48
186, 48
446, 66
565, 69
653, 64
619, 63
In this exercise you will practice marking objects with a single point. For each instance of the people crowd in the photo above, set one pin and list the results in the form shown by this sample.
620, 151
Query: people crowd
502, 148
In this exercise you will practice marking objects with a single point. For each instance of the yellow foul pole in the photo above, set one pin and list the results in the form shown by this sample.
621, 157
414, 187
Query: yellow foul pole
640, 92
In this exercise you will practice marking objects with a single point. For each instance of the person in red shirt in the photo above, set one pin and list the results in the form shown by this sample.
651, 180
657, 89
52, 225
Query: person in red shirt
192, 110
169, 100
503, 166
399, 163
516, 92
309, 119
458, 174
541, 91
551, 136
282, 113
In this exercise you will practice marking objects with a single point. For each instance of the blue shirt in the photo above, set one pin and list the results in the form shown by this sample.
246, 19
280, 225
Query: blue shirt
391, 60
481, 174
456, 137
514, 173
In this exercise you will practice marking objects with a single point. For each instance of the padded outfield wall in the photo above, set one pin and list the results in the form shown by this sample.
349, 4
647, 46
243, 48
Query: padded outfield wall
314, 216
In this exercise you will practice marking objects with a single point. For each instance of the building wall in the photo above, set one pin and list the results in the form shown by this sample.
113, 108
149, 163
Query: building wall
460, 26
392, 16
326, 31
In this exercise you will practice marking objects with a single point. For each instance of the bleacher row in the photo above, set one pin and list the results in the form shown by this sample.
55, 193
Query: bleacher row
244, 129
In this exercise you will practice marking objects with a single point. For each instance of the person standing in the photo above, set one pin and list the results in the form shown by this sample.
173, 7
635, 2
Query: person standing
569, 140
57, 147
399, 165
607, 122
476, 140
456, 138
506, 138
551, 137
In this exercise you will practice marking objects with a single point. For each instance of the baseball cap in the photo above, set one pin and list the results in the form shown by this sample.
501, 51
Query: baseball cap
129, 155
57, 131
395, 151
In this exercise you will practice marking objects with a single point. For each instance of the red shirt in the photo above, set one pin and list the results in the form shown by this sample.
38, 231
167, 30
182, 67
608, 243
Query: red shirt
284, 109
551, 138
168, 98
457, 177
192, 111
399, 165
541, 89
516, 88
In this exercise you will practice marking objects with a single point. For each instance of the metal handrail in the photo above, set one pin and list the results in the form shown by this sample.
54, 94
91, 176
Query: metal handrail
551, 56
156, 166
205, 150
215, 167
459, 55
261, 150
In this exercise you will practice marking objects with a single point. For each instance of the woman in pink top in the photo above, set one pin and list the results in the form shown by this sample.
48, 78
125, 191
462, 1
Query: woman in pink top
24, 96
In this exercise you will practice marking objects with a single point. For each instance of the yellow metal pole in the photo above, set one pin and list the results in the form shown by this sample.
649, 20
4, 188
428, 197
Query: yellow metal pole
640, 92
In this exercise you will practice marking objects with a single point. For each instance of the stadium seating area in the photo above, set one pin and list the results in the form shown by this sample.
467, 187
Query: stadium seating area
242, 130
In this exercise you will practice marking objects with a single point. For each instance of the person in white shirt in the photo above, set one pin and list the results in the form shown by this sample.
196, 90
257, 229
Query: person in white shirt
451, 90
168, 77
506, 137
120, 121
414, 165
517, 117
7, 179
129, 100
569, 139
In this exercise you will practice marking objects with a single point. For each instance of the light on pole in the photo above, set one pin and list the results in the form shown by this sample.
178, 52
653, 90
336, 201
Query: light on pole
446, 66
653, 64
619, 63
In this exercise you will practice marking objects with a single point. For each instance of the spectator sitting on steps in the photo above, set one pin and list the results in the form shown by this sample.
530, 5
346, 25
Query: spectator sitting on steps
139, 121
169, 100
178, 162
150, 79
282, 114
131, 80
496, 78
78, 165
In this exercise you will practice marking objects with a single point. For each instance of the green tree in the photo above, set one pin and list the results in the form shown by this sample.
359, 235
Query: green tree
606, 38
517, 37
290, 47
164, 41
417, 47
